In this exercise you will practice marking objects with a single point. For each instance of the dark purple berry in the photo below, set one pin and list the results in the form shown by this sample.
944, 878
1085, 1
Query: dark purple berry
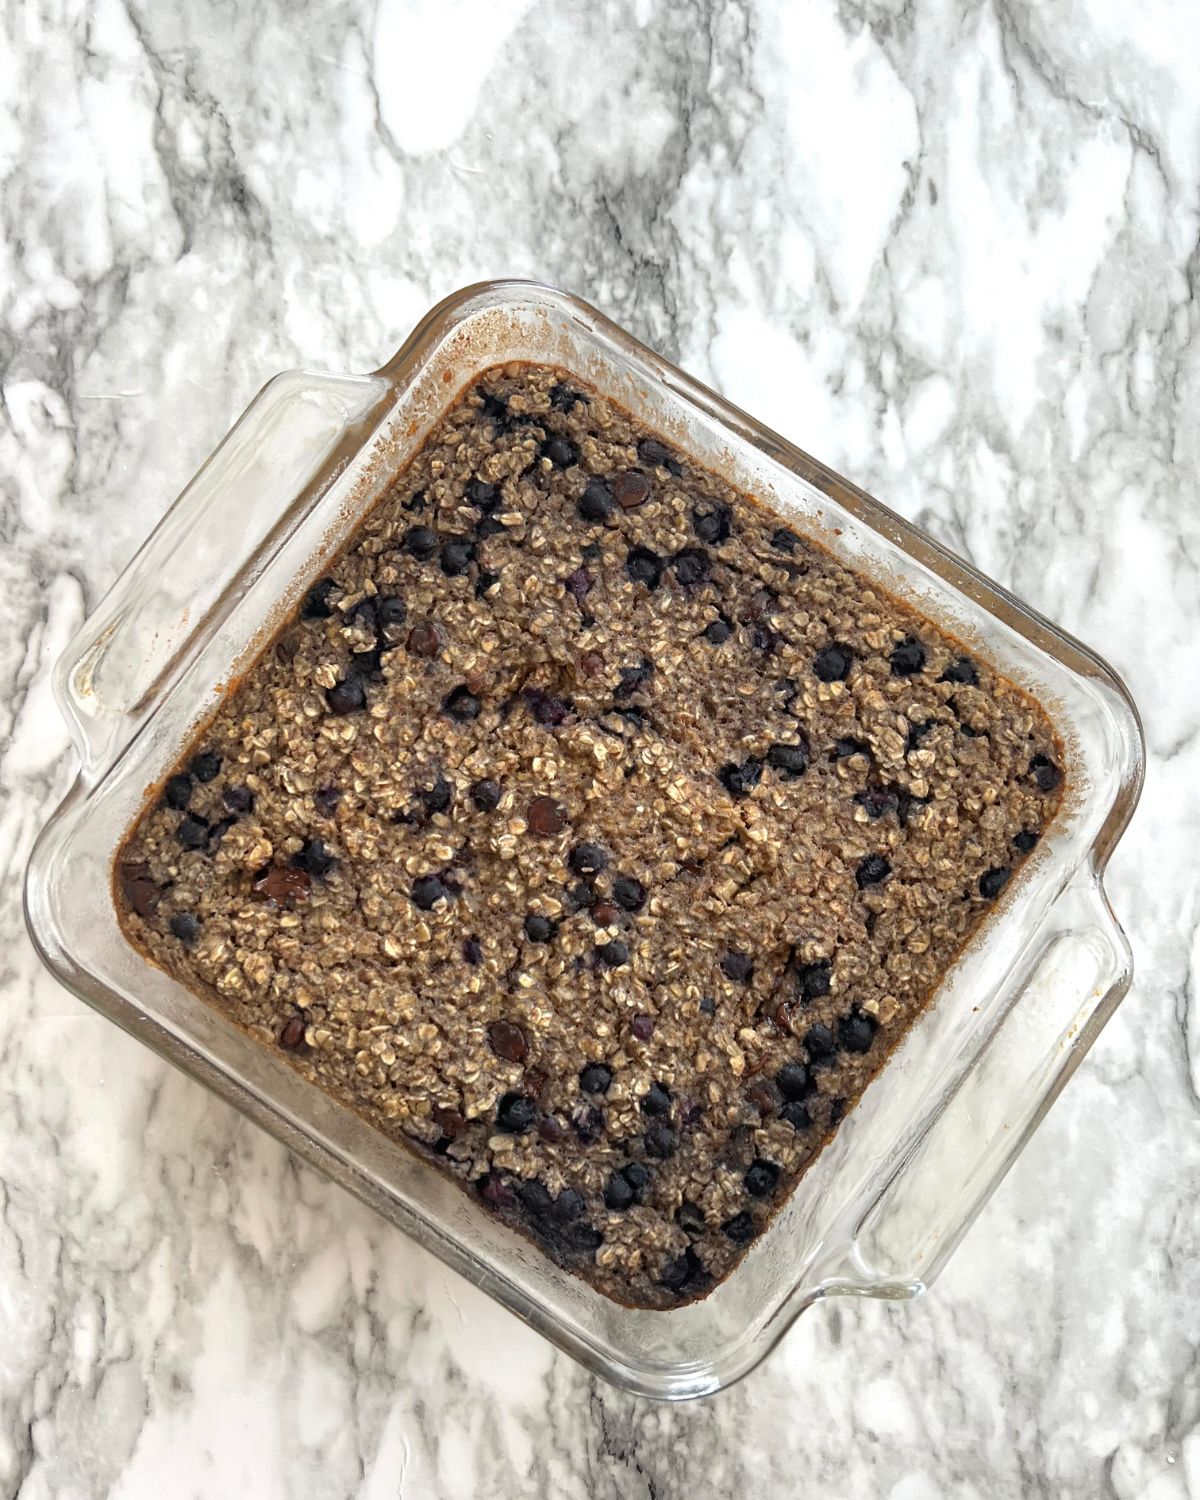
178, 792
820, 1043
692, 567
790, 760
690, 1217
462, 705
660, 1142
538, 929
633, 679
644, 566
740, 780
483, 495
1045, 773
457, 556
238, 799
908, 657
642, 1028
740, 1229
561, 452
185, 927
737, 966
595, 1078
206, 766
793, 1081
436, 798
587, 859
962, 670
761, 1177
992, 882
916, 733
814, 979
856, 1032
419, 542
486, 794
613, 954
587, 1122
516, 1113
578, 584
636, 1175
347, 696
547, 711
535, 1198
192, 832
485, 583
618, 1194
717, 633
428, 890
629, 893
656, 1101
713, 526
1026, 841
871, 871
832, 663
877, 801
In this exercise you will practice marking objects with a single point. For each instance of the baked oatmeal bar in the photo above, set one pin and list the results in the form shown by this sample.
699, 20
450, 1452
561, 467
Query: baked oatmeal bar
591, 832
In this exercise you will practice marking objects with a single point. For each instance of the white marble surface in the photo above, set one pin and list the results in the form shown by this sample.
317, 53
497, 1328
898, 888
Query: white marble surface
950, 247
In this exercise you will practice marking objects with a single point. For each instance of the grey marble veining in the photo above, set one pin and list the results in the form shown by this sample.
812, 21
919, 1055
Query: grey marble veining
954, 249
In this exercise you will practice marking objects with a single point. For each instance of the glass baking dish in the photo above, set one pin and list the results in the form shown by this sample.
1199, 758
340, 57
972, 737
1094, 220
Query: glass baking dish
891, 1195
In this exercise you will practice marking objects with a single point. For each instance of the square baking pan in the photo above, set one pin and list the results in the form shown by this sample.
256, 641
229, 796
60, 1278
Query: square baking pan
893, 1192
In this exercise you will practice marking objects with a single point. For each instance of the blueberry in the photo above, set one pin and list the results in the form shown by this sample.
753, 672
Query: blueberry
692, 566
438, 797
793, 1081
192, 832
636, 1175
644, 566
791, 760
660, 1142
587, 1123
1025, 841
961, 670
740, 780
708, 1006
462, 705
992, 882
613, 954
365, 614
737, 966
516, 1113
761, 1177
486, 794
316, 601
218, 831
494, 409
717, 633
657, 455
568, 1206
185, 927
583, 1237
832, 663
347, 696
740, 1229
472, 951
595, 1078
814, 979
871, 871
419, 542
656, 1101
535, 1198
596, 503
1045, 773
846, 747
315, 858
489, 527
563, 398
457, 555
877, 801
785, 540
618, 1194
713, 526
581, 896
485, 583
178, 791
587, 859
561, 452
428, 890
633, 679
206, 766
238, 799
916, 733
690, 1217
908, 657
629, 893
796, 1114
685, 1273
820, 1043
856, 1032
485, 496
538, 929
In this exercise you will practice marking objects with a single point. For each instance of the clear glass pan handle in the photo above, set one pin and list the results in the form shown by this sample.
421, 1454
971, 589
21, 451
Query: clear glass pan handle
239, 504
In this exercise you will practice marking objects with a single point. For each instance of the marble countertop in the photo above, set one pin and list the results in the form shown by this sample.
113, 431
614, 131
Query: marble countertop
952, 248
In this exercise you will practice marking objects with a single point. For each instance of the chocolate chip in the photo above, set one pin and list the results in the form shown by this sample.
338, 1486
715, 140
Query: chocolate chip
820, 1043
961, 670
457, 556
596, 503
291, 1038
192, 832
740, 1229
426, 639
908, 657
587, 859
282, 883
856, 1032
185, 927
462, 705
629, 893
1045, 773
486, 794
516, 1113
660, 1142
428, 890
139, 890
790, 760
546, 817
740, 780
508, 1040
613, 954
692, 566
238, 799
206, 766
538, 929
316, 602
832, 663
992, 882
561, 452
871, 871
644, 566
419, 542
595, 1078
761, 1177
1025, 841
737, 966
347, 696
630, 489
178, 791
713, 526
